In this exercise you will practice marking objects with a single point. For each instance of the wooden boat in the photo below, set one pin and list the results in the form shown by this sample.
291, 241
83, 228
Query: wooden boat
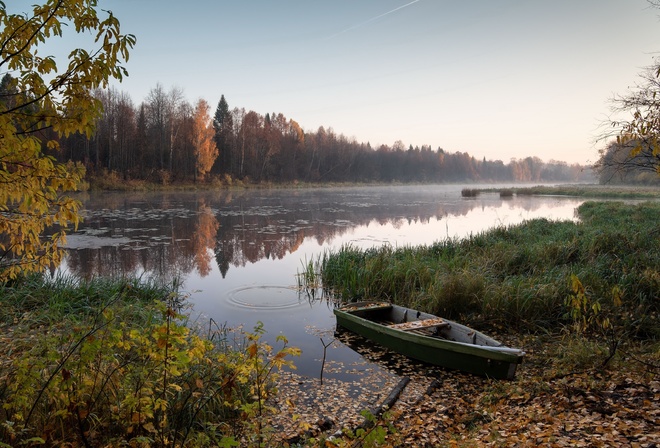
429, 338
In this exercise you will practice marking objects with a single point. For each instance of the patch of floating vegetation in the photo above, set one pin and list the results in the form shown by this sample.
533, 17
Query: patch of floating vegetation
78, 241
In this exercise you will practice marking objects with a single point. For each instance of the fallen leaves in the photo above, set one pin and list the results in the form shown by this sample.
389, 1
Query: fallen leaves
593, 408
306, 405
419, 324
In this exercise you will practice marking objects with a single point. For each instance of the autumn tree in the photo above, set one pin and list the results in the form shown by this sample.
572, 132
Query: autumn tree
627, 162
637, 147
294, 139
272, 165
204, 144
40, 101
250, 135
238, 143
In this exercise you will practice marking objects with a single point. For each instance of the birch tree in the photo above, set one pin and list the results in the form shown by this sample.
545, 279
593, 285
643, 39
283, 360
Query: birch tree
204, 145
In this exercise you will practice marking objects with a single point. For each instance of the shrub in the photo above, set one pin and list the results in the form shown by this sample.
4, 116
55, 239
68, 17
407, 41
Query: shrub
470, 192
116, 374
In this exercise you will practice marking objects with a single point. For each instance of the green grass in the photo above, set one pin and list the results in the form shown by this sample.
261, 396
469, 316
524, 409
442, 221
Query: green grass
50, 300
517, 277
113, 362
585, 190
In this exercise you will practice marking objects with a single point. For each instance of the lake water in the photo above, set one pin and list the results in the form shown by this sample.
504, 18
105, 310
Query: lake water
238, 252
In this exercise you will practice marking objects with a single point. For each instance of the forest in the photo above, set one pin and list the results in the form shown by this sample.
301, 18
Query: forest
159, 141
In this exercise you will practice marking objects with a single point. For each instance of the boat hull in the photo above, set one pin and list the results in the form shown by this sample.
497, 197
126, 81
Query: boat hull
489, 361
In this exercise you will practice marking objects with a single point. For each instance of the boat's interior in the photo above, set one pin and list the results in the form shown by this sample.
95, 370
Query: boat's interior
418, 322
406, 320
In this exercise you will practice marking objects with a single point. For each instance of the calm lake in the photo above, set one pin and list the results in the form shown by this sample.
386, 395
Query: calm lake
238, 252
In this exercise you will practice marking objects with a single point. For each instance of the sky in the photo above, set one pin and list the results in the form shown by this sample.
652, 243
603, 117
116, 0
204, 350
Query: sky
498, 79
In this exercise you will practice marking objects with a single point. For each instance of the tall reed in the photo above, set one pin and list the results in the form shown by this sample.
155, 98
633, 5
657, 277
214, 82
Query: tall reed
516, 276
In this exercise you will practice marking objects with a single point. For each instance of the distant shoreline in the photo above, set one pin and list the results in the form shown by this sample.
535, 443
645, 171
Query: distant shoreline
577, 190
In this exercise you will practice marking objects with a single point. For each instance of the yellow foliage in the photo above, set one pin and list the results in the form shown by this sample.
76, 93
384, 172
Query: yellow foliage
206, 150
40, 101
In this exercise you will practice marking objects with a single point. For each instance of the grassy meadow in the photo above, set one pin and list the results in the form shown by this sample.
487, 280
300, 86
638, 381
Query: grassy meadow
601, 274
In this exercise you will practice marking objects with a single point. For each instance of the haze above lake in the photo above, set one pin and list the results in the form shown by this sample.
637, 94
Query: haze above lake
237, 253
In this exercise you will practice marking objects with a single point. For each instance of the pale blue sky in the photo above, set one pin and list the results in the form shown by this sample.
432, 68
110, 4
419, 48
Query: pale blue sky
499, 79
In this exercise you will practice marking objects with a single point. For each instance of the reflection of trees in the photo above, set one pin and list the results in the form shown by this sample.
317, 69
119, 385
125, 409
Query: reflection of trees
204, 239
253, 228
166, 239
173, 235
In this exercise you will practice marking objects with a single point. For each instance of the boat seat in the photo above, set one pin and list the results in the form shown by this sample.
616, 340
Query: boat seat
420, 324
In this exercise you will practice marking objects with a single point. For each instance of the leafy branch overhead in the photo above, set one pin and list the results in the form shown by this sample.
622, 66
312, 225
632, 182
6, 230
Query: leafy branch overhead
634, 155
41, 100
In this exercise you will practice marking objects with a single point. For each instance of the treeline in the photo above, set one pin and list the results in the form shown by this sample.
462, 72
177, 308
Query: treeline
156, 141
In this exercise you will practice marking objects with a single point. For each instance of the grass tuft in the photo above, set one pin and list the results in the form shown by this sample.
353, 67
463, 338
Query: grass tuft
113, 362
517, 277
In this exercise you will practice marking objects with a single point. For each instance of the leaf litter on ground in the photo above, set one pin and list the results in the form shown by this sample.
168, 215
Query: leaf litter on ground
595, 407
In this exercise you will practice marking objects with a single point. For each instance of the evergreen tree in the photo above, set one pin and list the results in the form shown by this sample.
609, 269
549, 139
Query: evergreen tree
221, 114
222, 124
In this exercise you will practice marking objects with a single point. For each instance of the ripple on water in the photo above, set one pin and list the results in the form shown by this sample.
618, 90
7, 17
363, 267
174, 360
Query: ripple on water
266, 297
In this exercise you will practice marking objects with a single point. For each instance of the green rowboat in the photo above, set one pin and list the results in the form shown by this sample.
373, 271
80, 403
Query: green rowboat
431, 339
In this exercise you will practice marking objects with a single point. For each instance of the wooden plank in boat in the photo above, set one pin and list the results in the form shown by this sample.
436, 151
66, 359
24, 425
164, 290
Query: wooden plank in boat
366, 306
419, 324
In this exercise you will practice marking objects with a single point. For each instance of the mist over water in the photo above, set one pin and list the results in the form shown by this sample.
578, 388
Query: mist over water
238, 252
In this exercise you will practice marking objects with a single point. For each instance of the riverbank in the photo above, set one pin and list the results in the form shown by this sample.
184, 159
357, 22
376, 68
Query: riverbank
561, 396
114, 362
552, 401
594, 191
617, 405
113, 182
515, 257
580, 298
520, 277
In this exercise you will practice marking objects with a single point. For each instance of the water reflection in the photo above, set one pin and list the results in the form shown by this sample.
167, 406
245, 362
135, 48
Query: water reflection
238, 253
174, 234
159, 235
